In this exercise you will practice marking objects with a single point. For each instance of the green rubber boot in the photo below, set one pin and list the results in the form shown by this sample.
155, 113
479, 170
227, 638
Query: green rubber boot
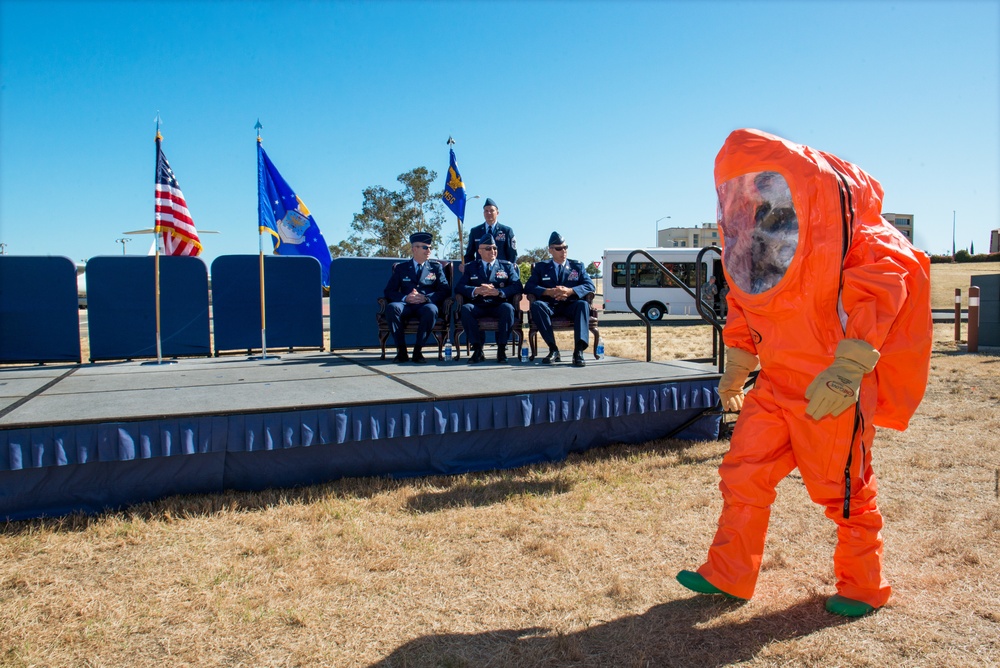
847, 607
696, 583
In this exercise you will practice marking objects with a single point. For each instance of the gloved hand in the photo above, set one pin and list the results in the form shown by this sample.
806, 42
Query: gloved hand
739, 364
836, 388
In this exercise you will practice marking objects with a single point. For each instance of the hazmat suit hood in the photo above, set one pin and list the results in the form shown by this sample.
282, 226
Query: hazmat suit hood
810, 261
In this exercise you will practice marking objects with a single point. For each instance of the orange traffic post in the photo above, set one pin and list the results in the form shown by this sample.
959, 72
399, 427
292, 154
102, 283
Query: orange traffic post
974, 319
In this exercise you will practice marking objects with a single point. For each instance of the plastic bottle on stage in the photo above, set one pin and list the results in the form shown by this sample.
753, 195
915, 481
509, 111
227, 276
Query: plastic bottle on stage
524, 353
599, 351
447, 352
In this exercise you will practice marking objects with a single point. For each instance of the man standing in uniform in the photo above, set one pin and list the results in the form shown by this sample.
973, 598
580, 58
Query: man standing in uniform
486, 285
414, 290
561, 286
502, 235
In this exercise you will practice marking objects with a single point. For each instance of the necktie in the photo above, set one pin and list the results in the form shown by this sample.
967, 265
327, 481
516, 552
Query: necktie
419, 267
489, 269
559, 273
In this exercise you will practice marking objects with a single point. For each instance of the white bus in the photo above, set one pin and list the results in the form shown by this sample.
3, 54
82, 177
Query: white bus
653, 292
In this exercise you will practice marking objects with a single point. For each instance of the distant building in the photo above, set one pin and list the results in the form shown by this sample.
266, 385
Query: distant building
995, 241
903, 222
688, 237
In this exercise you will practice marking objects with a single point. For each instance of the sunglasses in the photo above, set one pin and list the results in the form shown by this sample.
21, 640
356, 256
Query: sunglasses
421, 246
559, 248
488, 247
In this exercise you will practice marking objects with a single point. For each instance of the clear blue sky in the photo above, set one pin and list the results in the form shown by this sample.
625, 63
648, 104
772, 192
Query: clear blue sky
594, 119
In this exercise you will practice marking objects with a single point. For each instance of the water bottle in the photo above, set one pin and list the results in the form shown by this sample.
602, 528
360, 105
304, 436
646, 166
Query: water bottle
599, 351
524, 352
447, 352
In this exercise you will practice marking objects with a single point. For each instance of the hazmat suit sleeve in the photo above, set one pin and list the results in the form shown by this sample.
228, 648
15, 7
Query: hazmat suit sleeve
874, 291
736, 333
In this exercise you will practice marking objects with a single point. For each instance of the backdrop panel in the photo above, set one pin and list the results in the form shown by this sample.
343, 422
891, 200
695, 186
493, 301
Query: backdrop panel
39, 310
121, 307
293, 302
356, 283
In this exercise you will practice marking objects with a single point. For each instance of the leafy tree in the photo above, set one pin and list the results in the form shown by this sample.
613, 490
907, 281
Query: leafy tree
389, 217
533, 256
593, 271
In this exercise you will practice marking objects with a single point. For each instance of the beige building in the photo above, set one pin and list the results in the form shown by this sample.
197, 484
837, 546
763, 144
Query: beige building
688, 237
903, 222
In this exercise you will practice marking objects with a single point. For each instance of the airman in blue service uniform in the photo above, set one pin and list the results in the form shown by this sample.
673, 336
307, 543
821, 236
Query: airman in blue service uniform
486, 285
560, 286
502, 235
414, 290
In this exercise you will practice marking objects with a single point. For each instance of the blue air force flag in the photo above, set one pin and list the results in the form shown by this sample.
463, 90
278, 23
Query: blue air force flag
454, 189
285, 217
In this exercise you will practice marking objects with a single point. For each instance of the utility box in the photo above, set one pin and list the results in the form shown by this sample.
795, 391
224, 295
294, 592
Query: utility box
989, 308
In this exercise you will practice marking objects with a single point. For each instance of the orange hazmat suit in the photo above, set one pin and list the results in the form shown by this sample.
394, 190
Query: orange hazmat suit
834, 302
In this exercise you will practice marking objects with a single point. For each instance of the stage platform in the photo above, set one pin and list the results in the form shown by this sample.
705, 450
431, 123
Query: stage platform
98, 436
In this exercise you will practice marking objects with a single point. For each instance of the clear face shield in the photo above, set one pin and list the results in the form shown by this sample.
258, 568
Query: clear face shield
761, 229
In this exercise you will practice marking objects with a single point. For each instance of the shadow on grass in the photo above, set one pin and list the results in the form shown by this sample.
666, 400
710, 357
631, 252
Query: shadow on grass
480, 494
687, 632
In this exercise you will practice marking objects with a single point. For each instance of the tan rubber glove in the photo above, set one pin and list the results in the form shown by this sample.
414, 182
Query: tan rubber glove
836, 388
739, 364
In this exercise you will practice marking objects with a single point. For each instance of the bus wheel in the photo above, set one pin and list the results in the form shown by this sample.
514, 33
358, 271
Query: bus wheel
653, 311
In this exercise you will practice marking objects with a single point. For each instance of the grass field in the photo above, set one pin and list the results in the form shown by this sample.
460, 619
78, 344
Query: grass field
567, 564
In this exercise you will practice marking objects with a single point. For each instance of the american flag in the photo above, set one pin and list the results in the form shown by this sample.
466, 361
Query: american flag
173, 220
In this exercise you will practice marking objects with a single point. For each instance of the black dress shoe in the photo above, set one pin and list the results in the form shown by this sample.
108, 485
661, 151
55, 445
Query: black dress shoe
578, 359
401, 356
501, 356
418, 357
553, 356
477, 357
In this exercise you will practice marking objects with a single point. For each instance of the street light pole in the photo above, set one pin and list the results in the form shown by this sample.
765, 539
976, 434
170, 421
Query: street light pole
656, 234
123, 241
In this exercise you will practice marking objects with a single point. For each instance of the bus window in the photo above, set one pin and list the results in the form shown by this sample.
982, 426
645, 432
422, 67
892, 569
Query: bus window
647, 275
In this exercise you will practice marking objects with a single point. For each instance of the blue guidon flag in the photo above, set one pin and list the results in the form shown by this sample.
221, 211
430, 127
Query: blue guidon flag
285, 217
454, 189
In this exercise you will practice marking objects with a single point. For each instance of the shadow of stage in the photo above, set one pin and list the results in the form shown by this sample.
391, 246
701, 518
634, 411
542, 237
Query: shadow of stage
690, 632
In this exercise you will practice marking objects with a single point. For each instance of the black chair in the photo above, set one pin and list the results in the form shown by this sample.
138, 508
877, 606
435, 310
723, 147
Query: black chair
561, 323
441, 325
487, 324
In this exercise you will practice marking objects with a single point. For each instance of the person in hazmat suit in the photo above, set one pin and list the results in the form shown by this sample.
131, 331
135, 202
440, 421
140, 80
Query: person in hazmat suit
833, 303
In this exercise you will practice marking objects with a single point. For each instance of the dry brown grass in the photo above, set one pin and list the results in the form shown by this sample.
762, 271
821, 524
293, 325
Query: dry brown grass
946, 277
568, 564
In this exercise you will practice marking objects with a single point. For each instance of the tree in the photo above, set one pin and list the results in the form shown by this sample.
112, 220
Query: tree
389, 217
533, 256
593, 271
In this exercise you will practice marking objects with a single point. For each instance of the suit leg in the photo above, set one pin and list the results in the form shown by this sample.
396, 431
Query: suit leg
394, 319
580, 314
505, 322
470, 323
428, 314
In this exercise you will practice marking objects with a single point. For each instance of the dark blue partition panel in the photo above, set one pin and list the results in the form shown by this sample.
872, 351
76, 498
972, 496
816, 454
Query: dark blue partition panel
39, 316
293, 302
121, 306
356, 283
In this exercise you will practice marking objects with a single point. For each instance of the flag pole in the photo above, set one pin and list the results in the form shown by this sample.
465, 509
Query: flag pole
156, 258
157, 231
260, 238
